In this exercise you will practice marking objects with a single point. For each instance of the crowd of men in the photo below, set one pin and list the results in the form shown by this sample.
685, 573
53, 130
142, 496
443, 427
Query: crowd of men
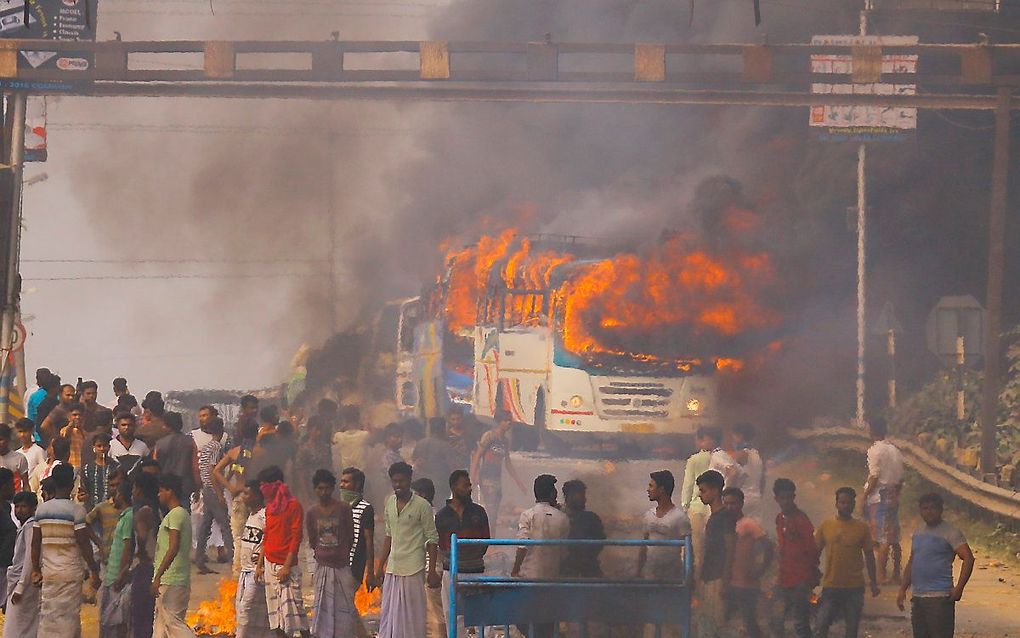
116, 496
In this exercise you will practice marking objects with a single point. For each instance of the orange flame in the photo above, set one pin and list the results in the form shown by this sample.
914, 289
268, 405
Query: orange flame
469, 272
624, 305
217, 616
711, 295
729, 365
366, 602
471, 269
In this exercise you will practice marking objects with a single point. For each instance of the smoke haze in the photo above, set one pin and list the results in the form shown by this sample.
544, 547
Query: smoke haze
248, 183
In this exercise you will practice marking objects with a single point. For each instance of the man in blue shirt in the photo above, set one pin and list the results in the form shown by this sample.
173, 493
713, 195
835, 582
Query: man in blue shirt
43, 378
934, 547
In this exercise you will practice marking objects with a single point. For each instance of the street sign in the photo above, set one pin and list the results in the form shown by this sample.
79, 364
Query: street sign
836, 123
19, 337
49, 20
954, 317
887, 322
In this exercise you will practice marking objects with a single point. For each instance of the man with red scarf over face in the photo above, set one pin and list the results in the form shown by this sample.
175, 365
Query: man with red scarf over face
281, 541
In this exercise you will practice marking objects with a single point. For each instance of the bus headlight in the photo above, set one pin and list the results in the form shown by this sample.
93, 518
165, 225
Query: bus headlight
694, 405
576, 401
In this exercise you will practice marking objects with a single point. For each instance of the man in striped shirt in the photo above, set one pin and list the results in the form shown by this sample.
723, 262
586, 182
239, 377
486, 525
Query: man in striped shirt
211, 446
59, 545
352, 486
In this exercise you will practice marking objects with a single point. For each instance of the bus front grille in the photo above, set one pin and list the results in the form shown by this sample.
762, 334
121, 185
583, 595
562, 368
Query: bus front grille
621, 399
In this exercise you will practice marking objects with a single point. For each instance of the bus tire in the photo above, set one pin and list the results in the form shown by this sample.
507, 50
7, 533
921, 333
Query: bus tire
548, 442
525, 439
421, 401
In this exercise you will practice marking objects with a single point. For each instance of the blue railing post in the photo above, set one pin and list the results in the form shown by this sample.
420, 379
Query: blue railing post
688, 579
688, 549
451, 618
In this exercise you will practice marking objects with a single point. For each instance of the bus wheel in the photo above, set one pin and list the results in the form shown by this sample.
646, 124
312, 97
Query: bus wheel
525, 438
541, 434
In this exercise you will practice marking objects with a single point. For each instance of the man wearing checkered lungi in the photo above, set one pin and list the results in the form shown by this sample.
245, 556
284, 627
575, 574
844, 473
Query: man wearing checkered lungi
280, 545
330, 526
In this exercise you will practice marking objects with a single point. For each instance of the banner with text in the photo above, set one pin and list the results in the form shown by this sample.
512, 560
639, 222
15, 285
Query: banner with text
49, 20
840, 123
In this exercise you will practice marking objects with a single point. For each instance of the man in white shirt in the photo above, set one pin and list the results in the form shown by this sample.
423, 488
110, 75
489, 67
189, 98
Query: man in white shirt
21, 619
58, 452
544, 521
754, 468
32, 451
882, 494
252, 613
724, 463
125, 442
13, 460
663, 522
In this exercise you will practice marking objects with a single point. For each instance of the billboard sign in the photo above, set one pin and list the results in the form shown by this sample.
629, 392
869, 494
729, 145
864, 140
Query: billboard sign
839, 123
43, 21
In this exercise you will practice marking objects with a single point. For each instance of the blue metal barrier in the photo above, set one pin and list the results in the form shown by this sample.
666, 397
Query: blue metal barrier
500, 601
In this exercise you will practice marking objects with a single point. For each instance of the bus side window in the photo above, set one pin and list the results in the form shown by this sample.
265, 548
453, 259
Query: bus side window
408, 397
408, 322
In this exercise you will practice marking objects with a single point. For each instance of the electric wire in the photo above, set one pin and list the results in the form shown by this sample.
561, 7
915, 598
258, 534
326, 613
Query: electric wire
226, 129
175, 261
177, 276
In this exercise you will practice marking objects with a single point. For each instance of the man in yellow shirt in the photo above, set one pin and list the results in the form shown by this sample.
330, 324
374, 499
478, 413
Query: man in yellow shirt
848, 550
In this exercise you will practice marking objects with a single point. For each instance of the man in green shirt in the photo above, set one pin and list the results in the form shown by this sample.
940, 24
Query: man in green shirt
410, 528
171, 583
115, 594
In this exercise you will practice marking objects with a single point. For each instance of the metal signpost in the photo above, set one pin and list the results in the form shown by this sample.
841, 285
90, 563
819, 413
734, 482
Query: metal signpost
863, 124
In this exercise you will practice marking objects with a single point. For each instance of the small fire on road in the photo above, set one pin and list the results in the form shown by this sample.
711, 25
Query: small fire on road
216, 617
368, 603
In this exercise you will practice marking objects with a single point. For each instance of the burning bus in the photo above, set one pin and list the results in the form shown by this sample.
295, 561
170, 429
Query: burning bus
574, 343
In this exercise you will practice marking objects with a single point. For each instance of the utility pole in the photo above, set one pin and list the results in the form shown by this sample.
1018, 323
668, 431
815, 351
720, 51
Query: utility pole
10, 221
993, 297
862, 226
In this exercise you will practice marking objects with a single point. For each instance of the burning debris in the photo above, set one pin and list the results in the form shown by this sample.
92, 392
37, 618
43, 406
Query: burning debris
216, 617
368, 603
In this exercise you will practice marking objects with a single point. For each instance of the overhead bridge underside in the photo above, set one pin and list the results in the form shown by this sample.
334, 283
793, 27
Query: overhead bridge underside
950, 76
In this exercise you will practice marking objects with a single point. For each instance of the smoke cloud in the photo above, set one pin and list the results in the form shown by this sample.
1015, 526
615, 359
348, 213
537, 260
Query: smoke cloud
255, 192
